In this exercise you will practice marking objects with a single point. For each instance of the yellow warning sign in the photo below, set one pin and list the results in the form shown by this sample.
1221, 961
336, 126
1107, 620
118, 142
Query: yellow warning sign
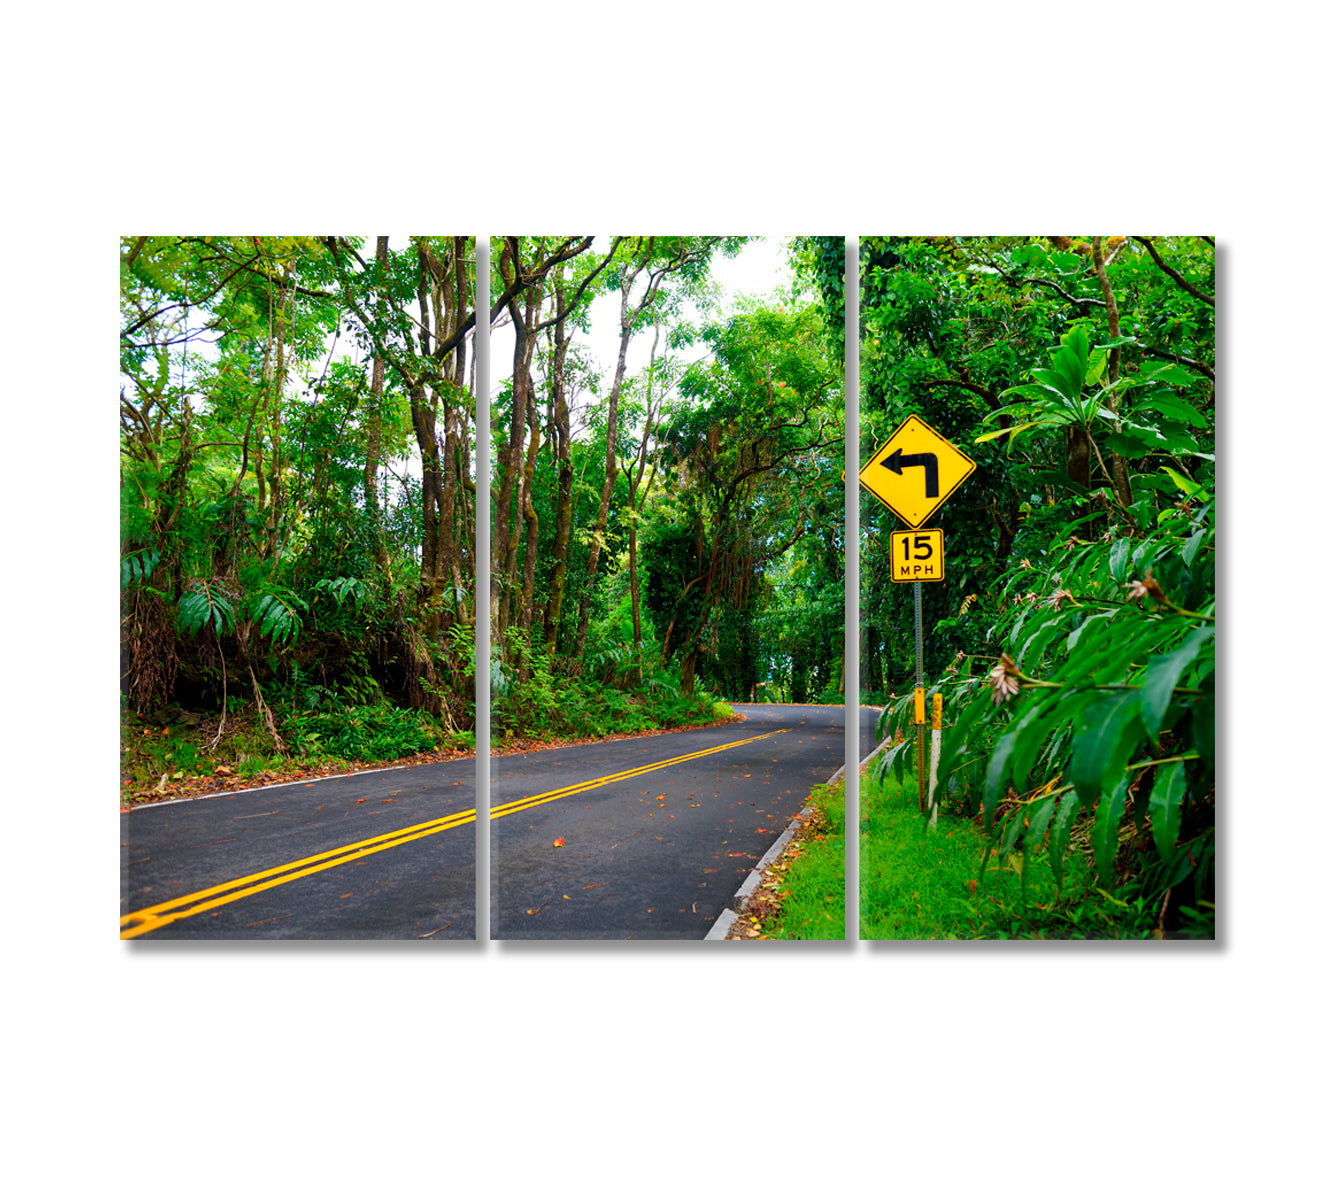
916, 471
917, 556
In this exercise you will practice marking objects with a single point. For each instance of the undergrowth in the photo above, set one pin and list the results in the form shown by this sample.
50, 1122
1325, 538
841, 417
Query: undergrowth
953, 882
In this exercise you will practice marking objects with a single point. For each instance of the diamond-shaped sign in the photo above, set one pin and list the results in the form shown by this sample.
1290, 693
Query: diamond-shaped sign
915, 472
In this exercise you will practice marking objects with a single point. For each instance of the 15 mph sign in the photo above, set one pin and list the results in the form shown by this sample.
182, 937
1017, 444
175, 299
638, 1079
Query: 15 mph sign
915, 472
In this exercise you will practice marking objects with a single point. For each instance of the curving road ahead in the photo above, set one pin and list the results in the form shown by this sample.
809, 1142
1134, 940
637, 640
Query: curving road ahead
650, 837
655, 835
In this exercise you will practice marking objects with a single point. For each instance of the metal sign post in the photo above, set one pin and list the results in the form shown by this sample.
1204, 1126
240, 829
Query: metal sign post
912, 475
919, 699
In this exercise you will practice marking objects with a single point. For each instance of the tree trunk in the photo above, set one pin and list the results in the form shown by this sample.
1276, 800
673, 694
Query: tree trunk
560, 423
609, 465
370, 476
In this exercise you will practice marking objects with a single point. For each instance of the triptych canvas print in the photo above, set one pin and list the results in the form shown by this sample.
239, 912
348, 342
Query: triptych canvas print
667, 587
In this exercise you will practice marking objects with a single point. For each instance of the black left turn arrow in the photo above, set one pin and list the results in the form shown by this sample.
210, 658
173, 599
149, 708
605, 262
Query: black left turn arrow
927, 461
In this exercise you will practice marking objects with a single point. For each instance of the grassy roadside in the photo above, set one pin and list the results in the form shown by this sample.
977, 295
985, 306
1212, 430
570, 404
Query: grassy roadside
800, 897
948, 883
941, 884
170, 754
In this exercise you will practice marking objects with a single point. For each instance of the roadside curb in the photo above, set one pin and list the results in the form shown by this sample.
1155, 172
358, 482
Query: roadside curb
728, 917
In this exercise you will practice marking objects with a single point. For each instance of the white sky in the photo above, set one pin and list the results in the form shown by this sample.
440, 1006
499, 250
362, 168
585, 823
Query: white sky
759, 268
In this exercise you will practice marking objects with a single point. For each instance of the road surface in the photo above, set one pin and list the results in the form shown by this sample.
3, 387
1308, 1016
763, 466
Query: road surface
382, 854
645, 837
650, 837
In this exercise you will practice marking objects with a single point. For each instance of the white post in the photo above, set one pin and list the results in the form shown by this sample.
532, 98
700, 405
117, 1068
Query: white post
936, 704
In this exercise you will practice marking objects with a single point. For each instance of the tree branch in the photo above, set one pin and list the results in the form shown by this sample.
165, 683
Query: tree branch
1147, 243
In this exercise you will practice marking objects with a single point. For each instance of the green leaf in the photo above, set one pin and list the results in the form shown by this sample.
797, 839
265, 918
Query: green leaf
1173, 373
1192, 547
1119, 556
1089, 624
1170, 405
1189, 486
1018, 429
1162, 674
956, 737
1169, 787
1100, 742
1202, 718
1061, 387
997, 766
138, 566
1067, 810
1097, 364
1106, 825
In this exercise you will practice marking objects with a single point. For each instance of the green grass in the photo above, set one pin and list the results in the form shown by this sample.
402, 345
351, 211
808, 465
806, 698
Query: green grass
810, 886
945, 883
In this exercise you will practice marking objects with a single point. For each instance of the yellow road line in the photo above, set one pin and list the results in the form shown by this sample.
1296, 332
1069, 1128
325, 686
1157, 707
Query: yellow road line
157, 915
154, 917
514, 806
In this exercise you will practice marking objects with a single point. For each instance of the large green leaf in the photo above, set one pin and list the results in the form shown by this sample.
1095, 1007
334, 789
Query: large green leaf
1169, 405
1101, 742
1162, 674
1169, 787
1192, 547
1202, 718
1118, 559
1106, 825
956, 737
998, 767
1067, 809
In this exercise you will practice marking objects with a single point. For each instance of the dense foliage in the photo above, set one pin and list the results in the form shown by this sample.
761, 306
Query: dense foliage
667, 531
298, 491
1073, 636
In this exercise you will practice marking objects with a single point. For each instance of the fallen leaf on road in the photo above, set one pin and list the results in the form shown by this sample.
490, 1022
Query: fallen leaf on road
345, 895
559, 842
363, 800
593, 885
386, 799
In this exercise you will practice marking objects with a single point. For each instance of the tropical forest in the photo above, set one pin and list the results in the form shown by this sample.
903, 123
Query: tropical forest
300, 495
1071, 640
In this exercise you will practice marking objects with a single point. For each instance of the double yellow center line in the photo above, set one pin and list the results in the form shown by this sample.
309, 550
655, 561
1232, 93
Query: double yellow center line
147, 919
504, 810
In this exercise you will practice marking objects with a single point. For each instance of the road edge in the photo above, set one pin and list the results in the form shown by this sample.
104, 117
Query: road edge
728, 917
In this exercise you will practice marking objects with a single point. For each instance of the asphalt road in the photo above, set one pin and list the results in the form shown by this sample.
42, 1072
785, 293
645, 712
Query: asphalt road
651, 837
656, 834
384, 854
